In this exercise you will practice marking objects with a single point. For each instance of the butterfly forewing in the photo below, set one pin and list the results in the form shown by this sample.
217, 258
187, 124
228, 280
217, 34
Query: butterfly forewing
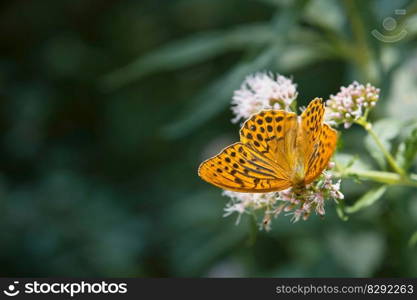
272, 134
241, 168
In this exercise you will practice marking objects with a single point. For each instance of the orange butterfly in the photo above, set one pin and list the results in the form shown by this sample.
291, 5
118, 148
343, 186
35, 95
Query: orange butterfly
277, 150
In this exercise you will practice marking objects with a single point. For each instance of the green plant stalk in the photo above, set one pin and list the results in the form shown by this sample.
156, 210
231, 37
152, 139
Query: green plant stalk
368, 127
363, 56
381, 177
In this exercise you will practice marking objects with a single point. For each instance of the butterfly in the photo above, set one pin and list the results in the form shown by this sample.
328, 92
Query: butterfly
277, 150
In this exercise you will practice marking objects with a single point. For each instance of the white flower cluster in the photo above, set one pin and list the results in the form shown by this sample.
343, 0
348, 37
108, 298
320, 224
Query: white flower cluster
246, 202
350, 103
299, 202
263, 91
311, 198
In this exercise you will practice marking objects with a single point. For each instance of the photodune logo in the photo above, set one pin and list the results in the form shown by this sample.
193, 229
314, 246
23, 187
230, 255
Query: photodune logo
394, 33
11, 289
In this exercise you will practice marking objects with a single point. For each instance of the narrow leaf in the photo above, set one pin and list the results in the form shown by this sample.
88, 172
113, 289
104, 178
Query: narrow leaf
345, 162
335, 18
367, 199
217, 96
403, 91
298, 56
407, 150
340, 211
189, 51
413, 240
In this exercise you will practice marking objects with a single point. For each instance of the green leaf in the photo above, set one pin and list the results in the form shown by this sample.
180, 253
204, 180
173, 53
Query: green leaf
189, 51
367, 199
402, 102
411, 25
340, 210
346, 162
299, 55
335, 18
407, 150
360, 253
386, 130
413, 240
217, 96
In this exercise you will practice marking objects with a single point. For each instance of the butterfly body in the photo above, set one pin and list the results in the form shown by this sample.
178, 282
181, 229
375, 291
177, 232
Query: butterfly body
277, 150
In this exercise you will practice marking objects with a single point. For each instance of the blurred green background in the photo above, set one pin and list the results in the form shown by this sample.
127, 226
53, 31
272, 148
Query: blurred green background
108, 107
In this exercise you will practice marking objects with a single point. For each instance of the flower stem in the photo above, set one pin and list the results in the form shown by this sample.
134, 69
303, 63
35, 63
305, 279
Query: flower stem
382, 177
363, 55
388, 156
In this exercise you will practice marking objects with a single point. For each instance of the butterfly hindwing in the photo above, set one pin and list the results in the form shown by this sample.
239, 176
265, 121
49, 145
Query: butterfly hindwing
240, 168
319, 160
318, 140
311, 123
